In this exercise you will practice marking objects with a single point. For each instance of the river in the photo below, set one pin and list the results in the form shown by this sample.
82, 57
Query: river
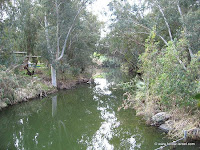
82, 118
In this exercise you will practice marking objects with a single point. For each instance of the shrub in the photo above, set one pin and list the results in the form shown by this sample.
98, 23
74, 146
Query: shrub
75, 71
165, 78
9, 81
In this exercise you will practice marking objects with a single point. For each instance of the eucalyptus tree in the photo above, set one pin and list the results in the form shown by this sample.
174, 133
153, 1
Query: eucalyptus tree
167, 18
60, 21
8, 34
27, 25
189, 16
127, 37
173, 19
83, 41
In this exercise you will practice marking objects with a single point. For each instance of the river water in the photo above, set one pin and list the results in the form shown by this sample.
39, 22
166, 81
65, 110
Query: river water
83, 118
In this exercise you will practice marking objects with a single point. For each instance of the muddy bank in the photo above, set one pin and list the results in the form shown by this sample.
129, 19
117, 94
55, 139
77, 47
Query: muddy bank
39, 88
174, 122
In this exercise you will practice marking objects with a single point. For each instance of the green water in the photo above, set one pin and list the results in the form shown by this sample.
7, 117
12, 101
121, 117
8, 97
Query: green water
83, 118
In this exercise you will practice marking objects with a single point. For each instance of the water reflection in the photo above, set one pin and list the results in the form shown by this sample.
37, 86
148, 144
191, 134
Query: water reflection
54, 105
18, 136
102, 86
83, 118
100, 139
106, 132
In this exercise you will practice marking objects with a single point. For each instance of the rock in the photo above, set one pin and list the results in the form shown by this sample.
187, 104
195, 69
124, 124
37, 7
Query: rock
160, 118
167, 126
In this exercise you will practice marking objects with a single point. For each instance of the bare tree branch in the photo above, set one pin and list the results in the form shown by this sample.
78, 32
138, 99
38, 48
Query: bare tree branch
170, 34
145, 27
69, 31
47, 35
57, 29
184, 28
169, 30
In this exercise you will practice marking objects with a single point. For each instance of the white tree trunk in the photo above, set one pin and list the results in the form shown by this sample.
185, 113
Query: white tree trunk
69, 32
49, 48
53, 76
53, 71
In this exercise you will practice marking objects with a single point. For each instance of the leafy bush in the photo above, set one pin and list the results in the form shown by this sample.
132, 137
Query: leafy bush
75, 71
165, 77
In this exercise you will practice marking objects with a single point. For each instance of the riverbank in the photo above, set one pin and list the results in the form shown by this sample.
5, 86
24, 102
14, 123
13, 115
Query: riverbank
173, 121
19, 88
77, 118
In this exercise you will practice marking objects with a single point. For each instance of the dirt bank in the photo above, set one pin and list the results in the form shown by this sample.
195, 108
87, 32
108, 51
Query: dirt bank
174, 121
39, 88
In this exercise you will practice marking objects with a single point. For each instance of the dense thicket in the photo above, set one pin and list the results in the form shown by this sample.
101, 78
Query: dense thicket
160, 40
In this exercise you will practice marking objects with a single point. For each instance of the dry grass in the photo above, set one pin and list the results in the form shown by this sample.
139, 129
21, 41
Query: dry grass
180, 120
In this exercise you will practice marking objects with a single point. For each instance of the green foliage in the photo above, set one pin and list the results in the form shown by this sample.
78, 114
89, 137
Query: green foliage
133, 23
22, 29
112, 63
108, 61
18, 30
164, 77
125, 41
75, 71
197, 96
192, 22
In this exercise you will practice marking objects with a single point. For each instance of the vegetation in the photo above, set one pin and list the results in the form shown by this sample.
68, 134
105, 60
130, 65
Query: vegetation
57, 37
157, 41
20, 87
64, 36
165, 78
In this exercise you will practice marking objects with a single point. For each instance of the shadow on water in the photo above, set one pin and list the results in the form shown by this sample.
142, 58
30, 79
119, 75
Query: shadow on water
82, 118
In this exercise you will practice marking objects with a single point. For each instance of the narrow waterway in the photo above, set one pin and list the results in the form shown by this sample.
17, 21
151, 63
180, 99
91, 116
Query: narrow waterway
83, 118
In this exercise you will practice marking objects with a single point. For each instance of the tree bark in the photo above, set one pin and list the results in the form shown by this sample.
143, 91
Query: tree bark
53, 71
53, 76
67, 36
58, 55
57, 30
